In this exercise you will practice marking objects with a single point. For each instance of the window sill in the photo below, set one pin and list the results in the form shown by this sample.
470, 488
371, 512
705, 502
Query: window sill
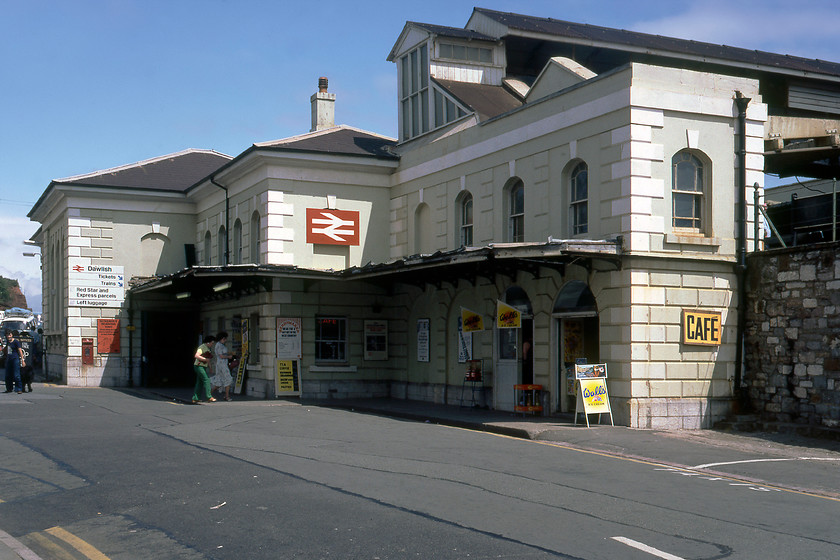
691, 238
327, 368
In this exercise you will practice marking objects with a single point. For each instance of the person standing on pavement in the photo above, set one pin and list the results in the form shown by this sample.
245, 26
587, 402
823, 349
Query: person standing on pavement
222, 378
203, 355
14, 361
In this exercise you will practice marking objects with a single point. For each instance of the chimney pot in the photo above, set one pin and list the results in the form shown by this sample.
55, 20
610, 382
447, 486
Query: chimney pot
323, 107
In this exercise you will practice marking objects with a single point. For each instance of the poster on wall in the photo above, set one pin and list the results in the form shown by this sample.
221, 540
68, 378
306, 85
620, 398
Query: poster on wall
465, 348
243, 358
287, 378
423, 340
471, 321
376, 339
288, 338
108, 336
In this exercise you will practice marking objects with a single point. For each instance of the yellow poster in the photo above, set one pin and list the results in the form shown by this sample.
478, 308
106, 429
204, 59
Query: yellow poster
507, 317
471, 321
594, 393
287, 378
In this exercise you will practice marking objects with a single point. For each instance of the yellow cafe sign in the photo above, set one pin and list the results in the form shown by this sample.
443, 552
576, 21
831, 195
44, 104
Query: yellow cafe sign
702, 327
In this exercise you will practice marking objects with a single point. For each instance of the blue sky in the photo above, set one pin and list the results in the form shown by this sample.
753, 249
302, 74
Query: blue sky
94, 84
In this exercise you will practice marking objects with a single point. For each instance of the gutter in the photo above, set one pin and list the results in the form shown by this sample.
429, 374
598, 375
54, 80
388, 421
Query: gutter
227, 219
741, 258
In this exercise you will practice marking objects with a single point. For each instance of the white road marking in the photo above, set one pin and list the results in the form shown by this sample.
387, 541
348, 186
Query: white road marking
645, 548
707, 465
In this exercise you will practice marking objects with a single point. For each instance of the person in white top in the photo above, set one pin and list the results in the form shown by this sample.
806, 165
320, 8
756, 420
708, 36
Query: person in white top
222, 378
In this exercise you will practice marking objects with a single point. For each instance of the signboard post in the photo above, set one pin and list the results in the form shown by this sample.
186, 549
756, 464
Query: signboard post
243, 359
593, 397
287, 364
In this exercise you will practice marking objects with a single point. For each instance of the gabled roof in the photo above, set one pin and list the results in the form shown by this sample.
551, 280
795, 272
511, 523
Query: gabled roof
487, 101
593, 35
172, 172
338, 140
440, 30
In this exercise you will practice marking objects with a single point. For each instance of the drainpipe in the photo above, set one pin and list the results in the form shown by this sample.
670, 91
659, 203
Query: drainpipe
741, 259
227, 220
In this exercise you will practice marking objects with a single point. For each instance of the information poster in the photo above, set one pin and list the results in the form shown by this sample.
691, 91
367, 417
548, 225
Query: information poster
108, 336
376, 339
288, 338
287, 378
423, 340
243, 359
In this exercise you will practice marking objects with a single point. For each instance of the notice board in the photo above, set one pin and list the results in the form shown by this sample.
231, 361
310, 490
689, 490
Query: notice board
108, 336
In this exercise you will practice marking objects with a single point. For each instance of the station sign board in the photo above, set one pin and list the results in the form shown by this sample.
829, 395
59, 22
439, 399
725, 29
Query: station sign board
94, 285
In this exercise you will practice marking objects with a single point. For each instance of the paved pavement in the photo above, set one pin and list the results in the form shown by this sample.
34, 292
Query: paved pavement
678, 448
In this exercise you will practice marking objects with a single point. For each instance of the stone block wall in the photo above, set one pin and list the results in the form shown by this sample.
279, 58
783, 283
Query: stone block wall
792, 344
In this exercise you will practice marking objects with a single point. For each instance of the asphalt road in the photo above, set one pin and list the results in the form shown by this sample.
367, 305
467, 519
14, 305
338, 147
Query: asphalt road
102, 474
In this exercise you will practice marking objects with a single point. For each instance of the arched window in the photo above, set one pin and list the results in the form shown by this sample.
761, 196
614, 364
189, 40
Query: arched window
221, 248
423, 229
687, 191
465, 221
237, 242
206, 252
516, 212
579, 199
255, 238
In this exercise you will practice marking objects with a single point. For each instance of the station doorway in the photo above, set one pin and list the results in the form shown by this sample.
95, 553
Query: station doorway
576, 325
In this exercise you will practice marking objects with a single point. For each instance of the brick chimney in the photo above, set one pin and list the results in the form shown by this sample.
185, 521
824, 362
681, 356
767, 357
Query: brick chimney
323, 107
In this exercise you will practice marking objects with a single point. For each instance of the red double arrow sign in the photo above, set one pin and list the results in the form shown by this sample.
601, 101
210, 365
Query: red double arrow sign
332, 227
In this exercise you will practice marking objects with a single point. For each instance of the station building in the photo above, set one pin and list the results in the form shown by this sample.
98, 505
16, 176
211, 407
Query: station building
600, 182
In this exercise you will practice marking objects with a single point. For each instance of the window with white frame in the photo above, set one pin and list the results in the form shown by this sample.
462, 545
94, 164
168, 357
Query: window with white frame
237, 242
466, 220
579, 199
687, 191
516, 212
467, 53
446, 110
330, 339
414, 92
255, 238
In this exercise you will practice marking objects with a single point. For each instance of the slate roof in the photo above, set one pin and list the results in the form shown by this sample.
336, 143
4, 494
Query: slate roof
338, 140
487, 101
454, 32
172, 172
642, 42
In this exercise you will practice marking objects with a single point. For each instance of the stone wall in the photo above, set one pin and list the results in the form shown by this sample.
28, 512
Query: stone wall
792, 344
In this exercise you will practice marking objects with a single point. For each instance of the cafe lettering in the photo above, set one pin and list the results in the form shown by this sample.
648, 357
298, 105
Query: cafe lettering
702, 327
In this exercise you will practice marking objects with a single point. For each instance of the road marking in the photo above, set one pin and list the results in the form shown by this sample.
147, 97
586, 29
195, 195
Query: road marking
707, 465
645, 548
19, 548
85, 548
650, 462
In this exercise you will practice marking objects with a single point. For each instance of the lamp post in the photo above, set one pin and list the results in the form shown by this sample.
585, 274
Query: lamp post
41, 339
